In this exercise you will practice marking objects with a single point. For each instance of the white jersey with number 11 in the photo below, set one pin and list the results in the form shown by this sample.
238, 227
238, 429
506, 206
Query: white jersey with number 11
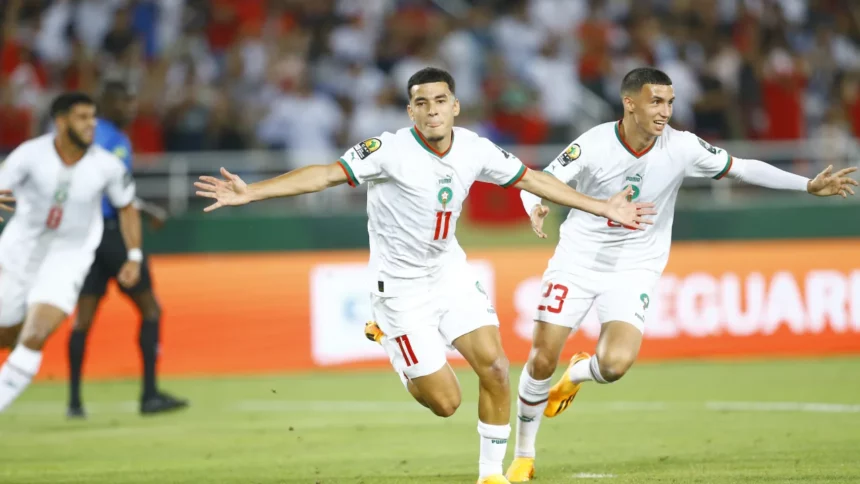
415, 197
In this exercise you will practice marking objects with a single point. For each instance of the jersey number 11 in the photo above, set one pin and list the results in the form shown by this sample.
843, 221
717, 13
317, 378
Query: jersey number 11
443, 221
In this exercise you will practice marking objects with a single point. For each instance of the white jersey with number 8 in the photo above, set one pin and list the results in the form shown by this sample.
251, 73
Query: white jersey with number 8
57, 220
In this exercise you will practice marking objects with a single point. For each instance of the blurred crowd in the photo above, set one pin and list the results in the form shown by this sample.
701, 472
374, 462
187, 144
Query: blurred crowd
313, 76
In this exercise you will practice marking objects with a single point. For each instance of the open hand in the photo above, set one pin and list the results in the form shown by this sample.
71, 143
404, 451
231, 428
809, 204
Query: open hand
229, 191
539, 213
828, 183
621, 210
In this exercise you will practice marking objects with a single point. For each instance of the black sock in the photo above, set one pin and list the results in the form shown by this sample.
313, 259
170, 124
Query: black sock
149, 354
77, 346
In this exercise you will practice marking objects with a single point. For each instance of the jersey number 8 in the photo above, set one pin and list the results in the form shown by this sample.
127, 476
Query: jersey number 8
55, 216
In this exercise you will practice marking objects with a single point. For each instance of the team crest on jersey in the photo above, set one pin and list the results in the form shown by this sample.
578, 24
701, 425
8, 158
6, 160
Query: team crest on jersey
634, 195
120, 152
646, 301
445, 195
367, 147
707, 146
61, 194
570, 154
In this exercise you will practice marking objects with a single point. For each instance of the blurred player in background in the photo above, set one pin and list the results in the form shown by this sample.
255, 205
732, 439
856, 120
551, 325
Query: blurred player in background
424, 295
116, 110
617, 268
47, 247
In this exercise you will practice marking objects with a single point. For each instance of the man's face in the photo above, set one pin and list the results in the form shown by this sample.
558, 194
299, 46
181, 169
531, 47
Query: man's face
651, 107
79, 124
432, 108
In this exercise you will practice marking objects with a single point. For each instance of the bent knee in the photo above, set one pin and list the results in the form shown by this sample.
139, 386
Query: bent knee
615, 364
444, 406
82, 325
542, 364
151, 313
495, 372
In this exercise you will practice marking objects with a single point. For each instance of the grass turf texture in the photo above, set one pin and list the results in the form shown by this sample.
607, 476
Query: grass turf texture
663, 423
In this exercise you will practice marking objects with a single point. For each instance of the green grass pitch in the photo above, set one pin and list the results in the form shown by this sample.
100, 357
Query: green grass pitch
751, 422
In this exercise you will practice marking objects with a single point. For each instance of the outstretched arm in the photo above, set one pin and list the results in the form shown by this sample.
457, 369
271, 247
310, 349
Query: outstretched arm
618, 208
233, 191
763, 174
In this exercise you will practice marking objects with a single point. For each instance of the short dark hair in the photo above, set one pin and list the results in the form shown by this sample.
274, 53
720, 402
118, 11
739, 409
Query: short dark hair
428, 75
64, 103
114, 87
635, 79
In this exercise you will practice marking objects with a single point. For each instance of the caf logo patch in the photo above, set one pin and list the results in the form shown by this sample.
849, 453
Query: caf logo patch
571, 154
367, 147
707, 146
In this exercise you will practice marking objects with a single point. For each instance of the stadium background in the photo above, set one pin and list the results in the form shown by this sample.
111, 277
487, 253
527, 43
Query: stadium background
261, 87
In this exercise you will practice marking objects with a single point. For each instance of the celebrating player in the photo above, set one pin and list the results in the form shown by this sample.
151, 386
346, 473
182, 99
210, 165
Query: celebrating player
48, 245
423, 295
599, 261
117, 109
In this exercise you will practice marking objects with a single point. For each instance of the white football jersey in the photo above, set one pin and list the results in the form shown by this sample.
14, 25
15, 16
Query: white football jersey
58, 205
414, 198
602, 164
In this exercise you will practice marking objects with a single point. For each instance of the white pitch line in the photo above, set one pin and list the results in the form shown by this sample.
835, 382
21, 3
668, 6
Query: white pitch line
783, 407
46, 407
588, 475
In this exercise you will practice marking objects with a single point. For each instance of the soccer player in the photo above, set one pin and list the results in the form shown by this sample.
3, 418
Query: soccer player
423, 294
116, 111
602, 262
48, 245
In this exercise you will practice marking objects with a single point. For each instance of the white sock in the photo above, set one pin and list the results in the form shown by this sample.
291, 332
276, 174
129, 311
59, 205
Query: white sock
494, 445
20, 368
531, 403
581, 371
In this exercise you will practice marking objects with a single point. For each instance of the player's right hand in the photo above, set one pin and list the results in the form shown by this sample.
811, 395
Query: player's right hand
539, 213
6, 197
622, 210
229, 191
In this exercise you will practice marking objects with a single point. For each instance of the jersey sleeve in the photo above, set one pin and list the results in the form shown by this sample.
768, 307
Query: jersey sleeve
569, 163
703, 159
500, 167
122, 150
366, 161
120, 186
13, 171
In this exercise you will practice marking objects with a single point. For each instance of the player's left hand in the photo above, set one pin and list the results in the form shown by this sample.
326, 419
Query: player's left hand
6, 197
129, 274
828, 183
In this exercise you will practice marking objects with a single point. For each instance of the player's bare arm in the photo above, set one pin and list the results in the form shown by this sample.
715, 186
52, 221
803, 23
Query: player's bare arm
6, 198
618, 208
232, 190
129, 225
